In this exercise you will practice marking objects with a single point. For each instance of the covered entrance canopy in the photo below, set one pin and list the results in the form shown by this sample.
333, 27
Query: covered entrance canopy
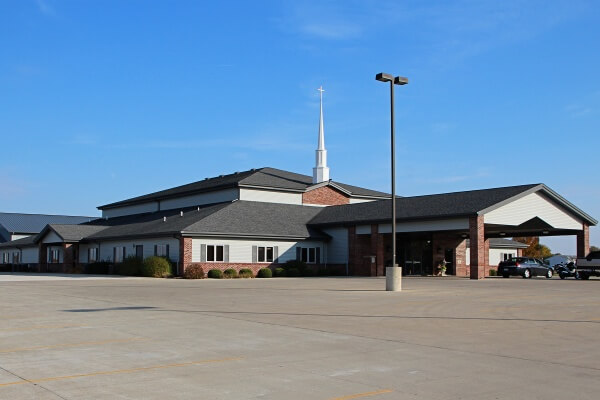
448, 219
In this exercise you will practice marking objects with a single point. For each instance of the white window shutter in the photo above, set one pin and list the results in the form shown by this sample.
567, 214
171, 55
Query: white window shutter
202, 253
226, 253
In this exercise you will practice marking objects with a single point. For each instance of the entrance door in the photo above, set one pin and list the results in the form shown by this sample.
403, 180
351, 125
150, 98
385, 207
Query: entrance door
449, 257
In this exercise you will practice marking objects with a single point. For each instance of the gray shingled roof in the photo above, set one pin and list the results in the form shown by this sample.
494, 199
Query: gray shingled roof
263, 177
419, 207
72, 233
34, 223
24, 242
239, 218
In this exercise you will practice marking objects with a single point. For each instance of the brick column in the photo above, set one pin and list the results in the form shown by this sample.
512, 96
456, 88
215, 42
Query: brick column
583, 241
68, 257
43, 258
185, 254
477, 238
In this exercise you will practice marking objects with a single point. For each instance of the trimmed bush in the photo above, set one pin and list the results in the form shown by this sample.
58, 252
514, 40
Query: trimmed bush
246, 273
97, 268
230, 273
215, 274
264, 273
493, 272
194, 272
131, 266
293, 272
279, 272
156, 267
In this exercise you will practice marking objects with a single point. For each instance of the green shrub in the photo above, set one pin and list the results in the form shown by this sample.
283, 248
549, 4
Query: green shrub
298, 265
493, 272
194, 271
292, 272
97, 268
230, 273
246, 273
131, 266
279, 272
156, 267
264, 273
215, 274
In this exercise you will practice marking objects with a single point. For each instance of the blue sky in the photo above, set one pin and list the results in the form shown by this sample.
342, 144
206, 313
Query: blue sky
104, 100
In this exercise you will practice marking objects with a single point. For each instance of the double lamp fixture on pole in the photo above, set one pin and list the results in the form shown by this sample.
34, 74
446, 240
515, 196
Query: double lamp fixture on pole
393, 274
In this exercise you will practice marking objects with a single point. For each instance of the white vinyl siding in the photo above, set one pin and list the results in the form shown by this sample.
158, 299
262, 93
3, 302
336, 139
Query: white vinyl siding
337, 247
52, 237
30, 255
130, 210
494, 255
240, 250
270, 196
200, 199
426, 226
530, 206
355, 200
106, 248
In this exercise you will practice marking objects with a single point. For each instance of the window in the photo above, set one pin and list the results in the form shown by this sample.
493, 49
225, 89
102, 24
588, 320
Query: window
506, 256
161, 250
53, 256
265, 254
16, 258
92, 255
5, 258
214, 253
119, 254
310, 255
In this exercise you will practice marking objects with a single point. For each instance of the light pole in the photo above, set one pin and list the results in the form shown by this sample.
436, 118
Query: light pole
393, 274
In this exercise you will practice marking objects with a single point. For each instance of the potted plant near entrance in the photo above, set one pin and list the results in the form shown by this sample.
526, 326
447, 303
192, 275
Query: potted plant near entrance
441, 268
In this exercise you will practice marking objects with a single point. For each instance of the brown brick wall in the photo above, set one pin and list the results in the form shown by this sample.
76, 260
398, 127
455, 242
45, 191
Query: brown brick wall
359, 248
185, 254
583, 241
325, 195
478, 246
442, 241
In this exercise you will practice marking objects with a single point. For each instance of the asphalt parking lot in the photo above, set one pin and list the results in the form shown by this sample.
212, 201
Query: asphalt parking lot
298, 338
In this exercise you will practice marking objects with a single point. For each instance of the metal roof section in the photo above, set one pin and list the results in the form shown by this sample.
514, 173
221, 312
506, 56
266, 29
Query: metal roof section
34, 223
262, 178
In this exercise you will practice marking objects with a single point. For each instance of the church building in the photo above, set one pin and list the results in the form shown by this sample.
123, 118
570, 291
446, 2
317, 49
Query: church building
264, 217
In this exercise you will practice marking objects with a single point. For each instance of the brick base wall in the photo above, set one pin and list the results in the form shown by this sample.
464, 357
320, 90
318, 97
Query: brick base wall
207, 266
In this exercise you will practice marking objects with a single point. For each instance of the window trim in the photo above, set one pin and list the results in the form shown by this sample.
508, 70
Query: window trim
215, 253
265, 254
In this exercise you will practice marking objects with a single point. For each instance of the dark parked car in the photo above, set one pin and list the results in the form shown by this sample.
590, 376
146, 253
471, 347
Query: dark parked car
525, 267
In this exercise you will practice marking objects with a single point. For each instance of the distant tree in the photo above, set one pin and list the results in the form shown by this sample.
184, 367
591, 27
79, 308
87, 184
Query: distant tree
594, 248
535, 249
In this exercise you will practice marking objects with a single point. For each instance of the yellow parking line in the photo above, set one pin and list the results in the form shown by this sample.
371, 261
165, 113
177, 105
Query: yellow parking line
56, 346
120, 371
36, 327
366, 394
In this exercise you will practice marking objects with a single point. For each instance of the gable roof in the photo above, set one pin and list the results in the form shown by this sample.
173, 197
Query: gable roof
70, 233
233, 219
444, 205
34, 223
419, 207
265, 178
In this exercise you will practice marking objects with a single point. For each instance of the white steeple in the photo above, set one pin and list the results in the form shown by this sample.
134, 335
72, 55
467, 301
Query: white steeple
321, 171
